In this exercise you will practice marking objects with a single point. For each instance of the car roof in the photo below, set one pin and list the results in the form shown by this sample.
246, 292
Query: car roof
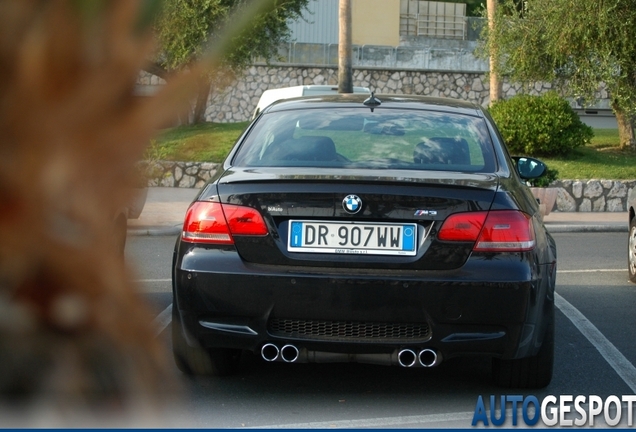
350, 100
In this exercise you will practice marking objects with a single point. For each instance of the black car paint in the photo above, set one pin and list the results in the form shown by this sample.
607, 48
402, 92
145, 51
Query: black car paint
257, 279
317, 196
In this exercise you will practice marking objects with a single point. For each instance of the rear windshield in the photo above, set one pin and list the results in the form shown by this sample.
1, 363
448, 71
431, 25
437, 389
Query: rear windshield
359, 138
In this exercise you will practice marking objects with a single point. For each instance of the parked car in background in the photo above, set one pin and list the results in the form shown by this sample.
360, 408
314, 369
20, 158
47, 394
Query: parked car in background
393, 230
132, 210
270, 96
631, 242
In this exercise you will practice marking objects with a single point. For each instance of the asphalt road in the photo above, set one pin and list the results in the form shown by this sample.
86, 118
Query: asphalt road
595, 354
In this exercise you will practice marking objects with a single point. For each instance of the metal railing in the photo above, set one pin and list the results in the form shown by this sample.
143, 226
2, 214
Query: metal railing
436, 26
441, 26
432, 52
407, 57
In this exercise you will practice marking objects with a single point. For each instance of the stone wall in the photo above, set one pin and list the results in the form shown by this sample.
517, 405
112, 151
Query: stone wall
237, 102
573, 195
180, 174
593, 195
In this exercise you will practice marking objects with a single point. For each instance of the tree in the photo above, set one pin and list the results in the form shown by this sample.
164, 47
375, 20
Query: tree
345, 78
495, 82
186, 27
577, 45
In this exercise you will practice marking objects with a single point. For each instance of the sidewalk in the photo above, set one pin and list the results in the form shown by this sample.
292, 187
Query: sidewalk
587, 222
165, 209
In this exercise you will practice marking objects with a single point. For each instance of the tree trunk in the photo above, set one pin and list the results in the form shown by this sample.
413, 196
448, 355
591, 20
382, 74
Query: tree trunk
495, 82
345, 79
202, 101
625, 127
156, 69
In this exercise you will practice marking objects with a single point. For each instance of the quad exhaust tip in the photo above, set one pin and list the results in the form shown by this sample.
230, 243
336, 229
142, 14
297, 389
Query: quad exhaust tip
407, 358
289, 353
426, 357
270, 352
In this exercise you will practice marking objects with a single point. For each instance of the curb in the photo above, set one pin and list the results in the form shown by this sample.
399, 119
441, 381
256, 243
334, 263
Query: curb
155, 231
562, 228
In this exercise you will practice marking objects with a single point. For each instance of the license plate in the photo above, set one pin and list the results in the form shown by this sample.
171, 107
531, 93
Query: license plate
352, 238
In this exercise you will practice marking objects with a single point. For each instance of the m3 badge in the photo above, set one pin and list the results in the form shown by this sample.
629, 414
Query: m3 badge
425, 213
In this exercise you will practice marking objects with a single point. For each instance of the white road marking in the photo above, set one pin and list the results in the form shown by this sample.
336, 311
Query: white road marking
592, 271
623, 367
376, 422
151, 280
162, 320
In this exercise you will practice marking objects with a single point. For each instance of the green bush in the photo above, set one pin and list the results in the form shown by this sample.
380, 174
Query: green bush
546, 179
540, 125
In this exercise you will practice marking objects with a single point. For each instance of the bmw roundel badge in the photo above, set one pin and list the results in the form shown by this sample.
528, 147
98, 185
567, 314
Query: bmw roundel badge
352, 204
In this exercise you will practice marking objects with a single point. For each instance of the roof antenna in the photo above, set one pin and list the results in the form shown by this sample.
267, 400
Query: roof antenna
372, 102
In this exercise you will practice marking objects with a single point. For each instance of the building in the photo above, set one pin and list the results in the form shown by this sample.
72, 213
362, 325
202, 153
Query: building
403, 35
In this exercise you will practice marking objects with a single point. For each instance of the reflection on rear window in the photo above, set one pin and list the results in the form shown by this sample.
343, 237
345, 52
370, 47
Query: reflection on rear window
359, 138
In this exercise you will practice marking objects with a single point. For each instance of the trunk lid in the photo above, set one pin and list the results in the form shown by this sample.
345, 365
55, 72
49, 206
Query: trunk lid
389, 199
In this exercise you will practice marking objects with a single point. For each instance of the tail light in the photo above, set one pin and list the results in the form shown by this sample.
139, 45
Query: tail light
495, 231
462, 227
213, 222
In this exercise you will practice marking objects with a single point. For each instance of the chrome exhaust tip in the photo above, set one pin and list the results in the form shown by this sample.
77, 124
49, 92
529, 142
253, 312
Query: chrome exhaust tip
289, 353
270, 352
407, 358
429, 358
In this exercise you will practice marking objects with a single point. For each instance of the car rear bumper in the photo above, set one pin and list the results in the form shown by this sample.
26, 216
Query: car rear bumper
224, 302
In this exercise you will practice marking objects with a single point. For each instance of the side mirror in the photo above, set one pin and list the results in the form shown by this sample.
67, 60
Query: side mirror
529, 168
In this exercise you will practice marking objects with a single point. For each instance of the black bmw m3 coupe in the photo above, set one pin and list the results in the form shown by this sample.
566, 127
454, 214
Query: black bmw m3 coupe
393, 230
